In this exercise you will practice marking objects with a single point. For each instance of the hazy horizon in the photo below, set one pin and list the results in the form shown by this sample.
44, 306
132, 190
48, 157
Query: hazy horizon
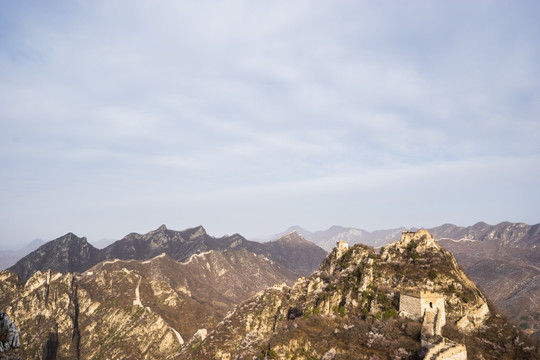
250, 117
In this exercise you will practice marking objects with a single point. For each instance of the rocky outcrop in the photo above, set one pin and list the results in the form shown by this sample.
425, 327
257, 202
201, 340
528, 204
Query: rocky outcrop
9, 338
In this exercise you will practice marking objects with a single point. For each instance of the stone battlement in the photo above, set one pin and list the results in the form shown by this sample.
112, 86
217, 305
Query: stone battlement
415, 235
423, 294
418, 304
422, 238
342, 245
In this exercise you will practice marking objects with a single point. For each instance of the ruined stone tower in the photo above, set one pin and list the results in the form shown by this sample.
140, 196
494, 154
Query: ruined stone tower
342, 247
424, 305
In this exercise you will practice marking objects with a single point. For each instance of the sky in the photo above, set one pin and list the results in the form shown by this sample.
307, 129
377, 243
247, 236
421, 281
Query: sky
251, 116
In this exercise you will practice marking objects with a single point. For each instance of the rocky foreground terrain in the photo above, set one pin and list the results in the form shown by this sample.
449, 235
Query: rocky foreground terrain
132, 309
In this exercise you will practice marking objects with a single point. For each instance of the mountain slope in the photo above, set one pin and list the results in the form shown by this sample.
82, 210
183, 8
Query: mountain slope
504, 261
132, 309
68, 253
348, 310
295, 252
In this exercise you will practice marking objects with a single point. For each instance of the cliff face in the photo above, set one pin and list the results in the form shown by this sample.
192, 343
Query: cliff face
131, 309
349, 309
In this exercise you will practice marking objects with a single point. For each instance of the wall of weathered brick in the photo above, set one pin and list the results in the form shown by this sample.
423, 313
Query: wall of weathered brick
410, 306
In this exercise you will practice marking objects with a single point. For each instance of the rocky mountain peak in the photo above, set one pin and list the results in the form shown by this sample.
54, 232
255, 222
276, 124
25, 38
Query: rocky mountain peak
70, 238
68, 253
359, 305
198, 232
420, 239
292, 237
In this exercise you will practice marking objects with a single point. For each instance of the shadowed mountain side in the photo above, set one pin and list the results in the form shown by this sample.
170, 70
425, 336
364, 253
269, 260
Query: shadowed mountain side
294, 251
68, 253
291, 251
72, 254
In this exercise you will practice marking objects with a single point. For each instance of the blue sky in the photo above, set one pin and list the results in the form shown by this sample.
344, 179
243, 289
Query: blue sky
251, 116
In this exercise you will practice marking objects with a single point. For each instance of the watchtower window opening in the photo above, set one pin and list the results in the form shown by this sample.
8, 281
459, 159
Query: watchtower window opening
431, 304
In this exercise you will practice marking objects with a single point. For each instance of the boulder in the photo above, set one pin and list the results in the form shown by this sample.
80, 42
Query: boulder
9, 335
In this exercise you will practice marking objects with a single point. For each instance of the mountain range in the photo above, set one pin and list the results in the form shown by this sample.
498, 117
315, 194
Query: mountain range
231, 303
169, 293
71, 253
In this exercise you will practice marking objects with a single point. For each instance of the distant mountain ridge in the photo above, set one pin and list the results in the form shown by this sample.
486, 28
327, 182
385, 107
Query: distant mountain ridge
10, 257
327, 238
514, 234
70, 253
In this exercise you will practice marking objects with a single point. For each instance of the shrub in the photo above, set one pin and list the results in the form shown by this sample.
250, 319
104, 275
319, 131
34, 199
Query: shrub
390, 313
432, 274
